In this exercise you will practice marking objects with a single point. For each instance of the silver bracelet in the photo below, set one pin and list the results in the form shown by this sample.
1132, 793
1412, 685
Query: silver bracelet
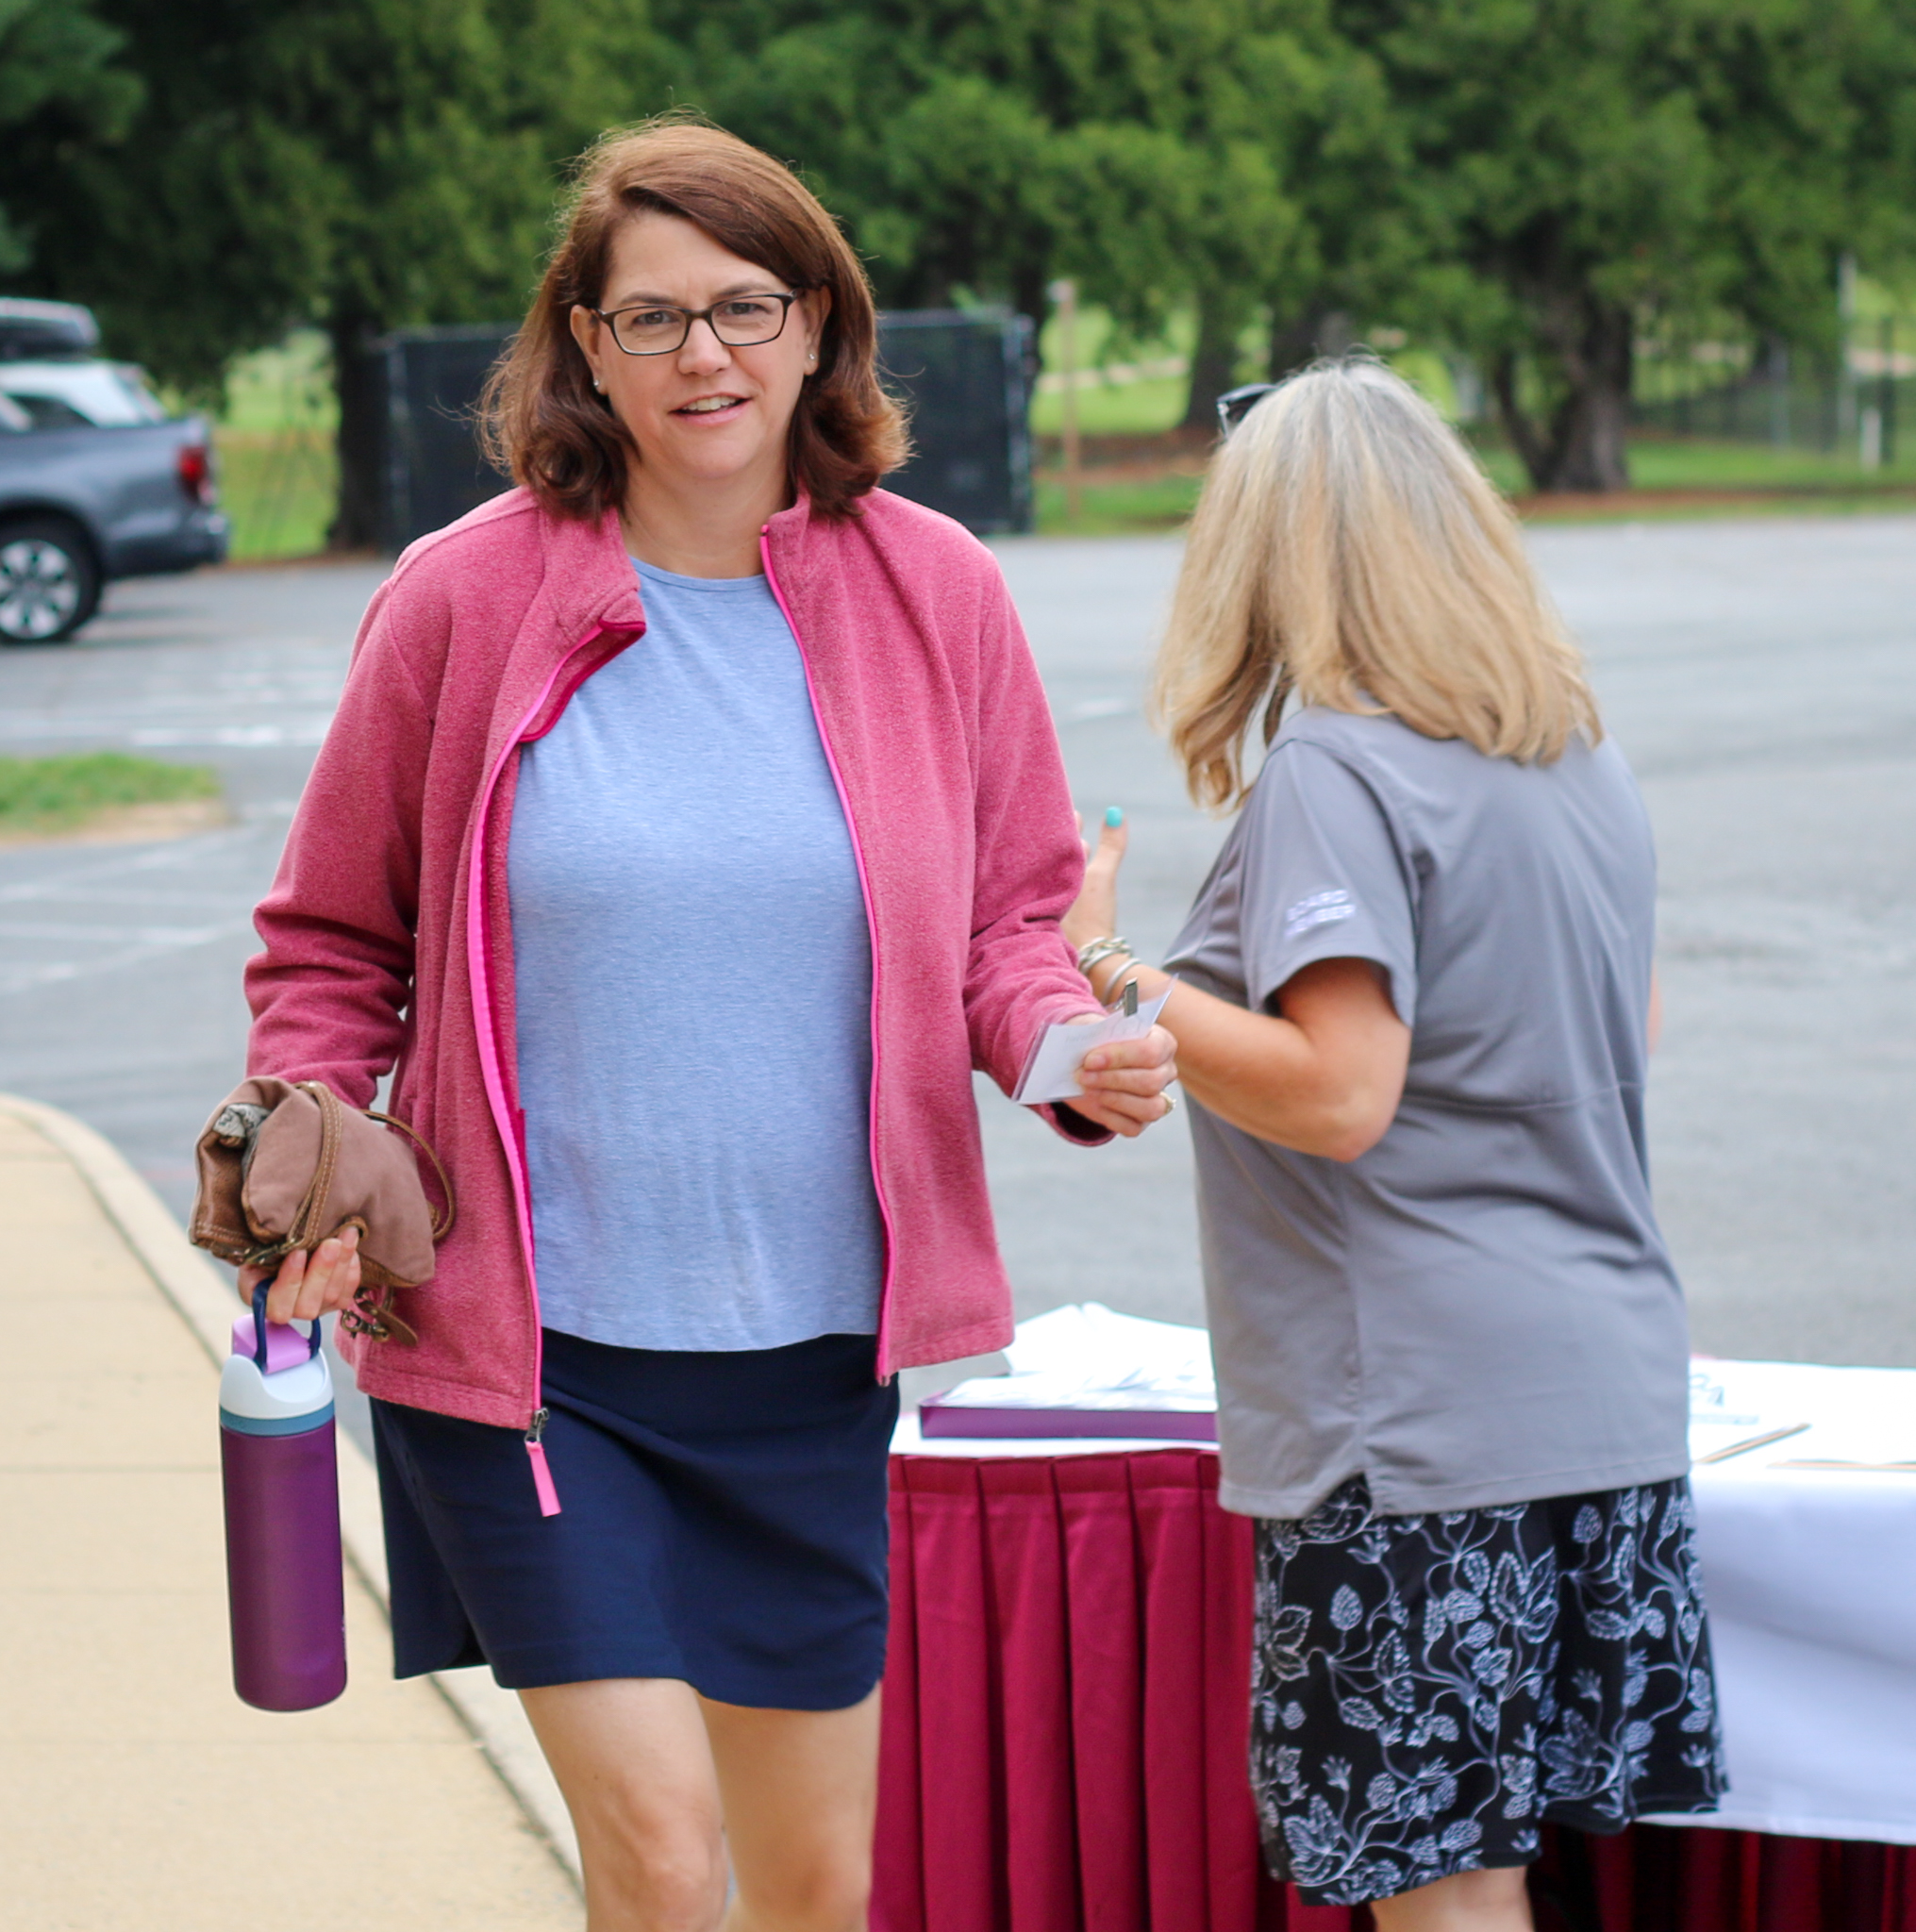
1123, 981
1088, 955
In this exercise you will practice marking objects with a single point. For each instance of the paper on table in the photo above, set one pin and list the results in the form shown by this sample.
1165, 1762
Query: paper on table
1088, 1357
1052, 1072
1721, 1429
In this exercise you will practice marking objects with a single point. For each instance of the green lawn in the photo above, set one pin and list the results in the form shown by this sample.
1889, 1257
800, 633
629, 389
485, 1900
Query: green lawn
275, 440
1112, 509
1134, 408
1790, 480
59, 794
1684, 464
276, 485
287, 388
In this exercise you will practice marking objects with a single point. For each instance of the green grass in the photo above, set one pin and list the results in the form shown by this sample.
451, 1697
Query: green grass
275, 440
1791, 481
289, 386
1112, 509
58, 794
1795, 477
278, 485
1132, 408
1692, 463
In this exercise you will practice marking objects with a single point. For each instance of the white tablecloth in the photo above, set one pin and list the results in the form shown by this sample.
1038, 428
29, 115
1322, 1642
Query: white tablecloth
1811, 1578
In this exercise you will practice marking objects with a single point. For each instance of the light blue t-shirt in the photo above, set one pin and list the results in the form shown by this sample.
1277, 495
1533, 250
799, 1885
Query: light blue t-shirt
694, 994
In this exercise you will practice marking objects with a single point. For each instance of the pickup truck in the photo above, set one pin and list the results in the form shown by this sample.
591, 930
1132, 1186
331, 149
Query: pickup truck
96, 480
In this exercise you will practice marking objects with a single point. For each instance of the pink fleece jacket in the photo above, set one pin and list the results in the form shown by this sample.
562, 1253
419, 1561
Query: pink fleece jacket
388, 935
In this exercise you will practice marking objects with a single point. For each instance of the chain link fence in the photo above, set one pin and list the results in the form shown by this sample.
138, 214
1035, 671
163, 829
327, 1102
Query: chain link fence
1857, 406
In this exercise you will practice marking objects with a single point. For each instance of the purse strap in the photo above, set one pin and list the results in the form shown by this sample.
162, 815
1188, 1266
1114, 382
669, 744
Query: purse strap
442, 1223
311, 1215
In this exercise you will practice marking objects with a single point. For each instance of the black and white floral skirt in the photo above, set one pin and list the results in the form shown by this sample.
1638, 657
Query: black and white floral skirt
1429, 1690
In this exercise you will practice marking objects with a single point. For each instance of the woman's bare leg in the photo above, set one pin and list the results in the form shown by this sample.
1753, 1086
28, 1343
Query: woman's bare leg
660, 1783
800, 1792
634, 1764
1492, 1901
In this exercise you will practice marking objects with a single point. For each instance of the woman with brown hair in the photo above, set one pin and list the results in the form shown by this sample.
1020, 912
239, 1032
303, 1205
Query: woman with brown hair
691, 827
1413, 1013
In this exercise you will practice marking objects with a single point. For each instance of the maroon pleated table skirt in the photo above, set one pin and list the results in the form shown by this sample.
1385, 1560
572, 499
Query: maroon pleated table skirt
1065, 1720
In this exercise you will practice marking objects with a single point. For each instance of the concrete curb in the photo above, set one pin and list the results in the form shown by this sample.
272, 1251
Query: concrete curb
204, 1298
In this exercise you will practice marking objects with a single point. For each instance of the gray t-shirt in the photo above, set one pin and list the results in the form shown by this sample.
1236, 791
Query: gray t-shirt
1481, 1309
694, 994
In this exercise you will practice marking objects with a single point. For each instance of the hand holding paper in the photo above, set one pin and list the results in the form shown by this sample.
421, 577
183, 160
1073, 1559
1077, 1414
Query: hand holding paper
1051, 1074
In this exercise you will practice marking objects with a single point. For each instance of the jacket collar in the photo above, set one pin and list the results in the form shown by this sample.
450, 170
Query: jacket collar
590, 581
590, 585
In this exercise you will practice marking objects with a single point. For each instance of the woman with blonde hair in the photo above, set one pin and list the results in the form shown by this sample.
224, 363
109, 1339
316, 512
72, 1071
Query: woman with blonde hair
1413, 1012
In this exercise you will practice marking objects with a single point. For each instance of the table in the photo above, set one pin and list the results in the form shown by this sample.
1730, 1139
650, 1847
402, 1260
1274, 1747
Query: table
1066, 1697
1810, 1573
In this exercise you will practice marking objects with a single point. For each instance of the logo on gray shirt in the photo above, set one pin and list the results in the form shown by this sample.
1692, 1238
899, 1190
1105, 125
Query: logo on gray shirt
1320, 908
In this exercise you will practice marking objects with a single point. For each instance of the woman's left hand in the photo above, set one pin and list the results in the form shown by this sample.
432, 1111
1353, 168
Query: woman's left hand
1123, 1083
1095, 913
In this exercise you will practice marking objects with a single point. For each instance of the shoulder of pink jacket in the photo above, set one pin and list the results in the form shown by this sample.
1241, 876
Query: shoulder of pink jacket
514, 548
506, 575
889, 532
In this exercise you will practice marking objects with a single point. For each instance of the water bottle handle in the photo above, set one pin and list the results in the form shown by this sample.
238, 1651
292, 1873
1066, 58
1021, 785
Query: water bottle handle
259, 1325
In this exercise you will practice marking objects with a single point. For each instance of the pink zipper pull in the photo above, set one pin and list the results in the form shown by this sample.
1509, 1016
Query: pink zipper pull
541, 1470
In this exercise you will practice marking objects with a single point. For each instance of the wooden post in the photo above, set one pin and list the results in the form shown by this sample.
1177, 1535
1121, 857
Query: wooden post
1886, 389
1064, 293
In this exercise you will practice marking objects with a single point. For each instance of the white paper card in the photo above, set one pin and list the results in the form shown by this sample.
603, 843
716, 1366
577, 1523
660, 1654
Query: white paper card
1052, 1073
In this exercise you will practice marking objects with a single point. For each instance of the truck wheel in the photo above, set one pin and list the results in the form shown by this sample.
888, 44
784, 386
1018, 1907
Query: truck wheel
49, 583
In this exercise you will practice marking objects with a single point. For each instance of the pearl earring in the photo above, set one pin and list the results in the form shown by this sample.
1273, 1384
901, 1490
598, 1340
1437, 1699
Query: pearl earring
598, 385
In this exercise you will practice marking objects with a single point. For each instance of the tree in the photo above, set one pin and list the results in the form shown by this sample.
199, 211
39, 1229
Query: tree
364, 164
1576, 167
58, 81
981, 152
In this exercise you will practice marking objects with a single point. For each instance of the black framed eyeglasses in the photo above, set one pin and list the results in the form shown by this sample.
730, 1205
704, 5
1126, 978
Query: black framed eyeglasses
1236, 404
653, 328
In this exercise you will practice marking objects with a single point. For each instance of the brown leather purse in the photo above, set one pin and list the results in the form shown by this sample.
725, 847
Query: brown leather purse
284, 1166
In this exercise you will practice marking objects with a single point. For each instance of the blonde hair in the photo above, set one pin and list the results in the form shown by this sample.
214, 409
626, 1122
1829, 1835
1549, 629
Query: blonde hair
1348, 548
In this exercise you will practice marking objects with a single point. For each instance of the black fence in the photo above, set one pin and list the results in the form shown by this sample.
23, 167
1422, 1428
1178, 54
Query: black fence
433, 472
1817, 412
1852, 406
965, 375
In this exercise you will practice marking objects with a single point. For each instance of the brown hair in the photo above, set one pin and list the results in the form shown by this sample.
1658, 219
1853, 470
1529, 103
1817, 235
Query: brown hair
540, 416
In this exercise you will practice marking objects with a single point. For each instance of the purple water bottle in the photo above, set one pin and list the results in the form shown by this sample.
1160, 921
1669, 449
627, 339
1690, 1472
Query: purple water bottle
285, 1586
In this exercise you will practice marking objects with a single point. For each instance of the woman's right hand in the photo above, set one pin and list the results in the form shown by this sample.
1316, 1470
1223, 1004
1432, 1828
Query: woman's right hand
309, 1286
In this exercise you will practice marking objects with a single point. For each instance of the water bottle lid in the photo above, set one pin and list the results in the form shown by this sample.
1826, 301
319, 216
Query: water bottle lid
273, 1345
275, 1381
285, 1346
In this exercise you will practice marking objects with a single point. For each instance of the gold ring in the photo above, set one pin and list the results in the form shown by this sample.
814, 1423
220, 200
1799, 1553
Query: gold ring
1170, 1106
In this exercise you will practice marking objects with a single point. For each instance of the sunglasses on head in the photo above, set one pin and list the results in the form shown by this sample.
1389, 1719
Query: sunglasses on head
1236, 404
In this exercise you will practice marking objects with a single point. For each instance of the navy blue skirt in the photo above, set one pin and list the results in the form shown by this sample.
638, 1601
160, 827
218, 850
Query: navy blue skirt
723, 1522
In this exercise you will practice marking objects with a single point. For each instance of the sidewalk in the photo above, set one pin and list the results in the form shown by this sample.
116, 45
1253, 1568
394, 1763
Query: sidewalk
137, 1792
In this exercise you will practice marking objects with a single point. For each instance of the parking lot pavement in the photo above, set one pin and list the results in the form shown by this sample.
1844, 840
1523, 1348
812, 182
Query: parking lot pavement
119, 964
1761, 675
